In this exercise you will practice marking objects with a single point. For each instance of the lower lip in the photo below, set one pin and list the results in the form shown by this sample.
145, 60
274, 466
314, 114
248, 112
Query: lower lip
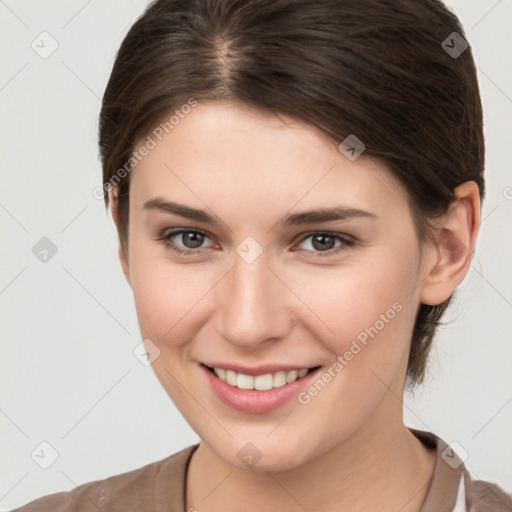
253, 401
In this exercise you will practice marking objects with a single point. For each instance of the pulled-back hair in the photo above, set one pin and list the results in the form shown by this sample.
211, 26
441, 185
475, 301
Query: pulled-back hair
389, 71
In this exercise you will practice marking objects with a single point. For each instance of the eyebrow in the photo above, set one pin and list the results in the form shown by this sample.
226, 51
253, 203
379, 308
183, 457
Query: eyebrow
316, 216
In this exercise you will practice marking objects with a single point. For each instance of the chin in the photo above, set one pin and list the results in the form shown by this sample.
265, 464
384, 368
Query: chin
263, 455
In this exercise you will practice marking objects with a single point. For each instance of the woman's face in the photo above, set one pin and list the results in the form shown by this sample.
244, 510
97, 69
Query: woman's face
265, 285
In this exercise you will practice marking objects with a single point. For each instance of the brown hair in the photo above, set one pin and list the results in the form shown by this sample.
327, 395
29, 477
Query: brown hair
378, 69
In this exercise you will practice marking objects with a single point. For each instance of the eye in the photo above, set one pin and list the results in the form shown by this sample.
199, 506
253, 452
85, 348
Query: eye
323, 243
191, 239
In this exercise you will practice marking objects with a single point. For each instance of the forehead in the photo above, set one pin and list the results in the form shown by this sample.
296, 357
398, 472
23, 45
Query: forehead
225, 153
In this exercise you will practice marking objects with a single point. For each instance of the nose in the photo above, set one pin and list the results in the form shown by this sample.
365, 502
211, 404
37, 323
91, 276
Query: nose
255, 305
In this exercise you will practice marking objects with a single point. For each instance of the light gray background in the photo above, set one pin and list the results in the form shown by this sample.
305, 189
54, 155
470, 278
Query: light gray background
69, 325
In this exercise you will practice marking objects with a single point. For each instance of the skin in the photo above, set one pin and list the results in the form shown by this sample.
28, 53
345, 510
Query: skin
348, 448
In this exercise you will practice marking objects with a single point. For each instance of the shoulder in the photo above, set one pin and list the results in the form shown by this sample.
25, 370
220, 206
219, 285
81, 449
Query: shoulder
453, 488
487, 497
120, 492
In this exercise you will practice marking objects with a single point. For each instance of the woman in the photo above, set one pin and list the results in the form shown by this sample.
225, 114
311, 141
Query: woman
297, 189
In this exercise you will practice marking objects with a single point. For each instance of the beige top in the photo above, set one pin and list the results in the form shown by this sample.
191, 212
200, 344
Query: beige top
161, 487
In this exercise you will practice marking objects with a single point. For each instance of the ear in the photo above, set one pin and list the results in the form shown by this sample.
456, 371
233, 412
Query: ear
114, 208
455, 244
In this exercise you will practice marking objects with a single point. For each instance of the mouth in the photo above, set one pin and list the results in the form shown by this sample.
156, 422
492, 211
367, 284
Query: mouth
263, 382
260, 393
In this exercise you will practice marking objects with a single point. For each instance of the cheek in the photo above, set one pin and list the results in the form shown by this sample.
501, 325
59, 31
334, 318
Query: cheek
165, 296
370, 312
171, 299
364, 314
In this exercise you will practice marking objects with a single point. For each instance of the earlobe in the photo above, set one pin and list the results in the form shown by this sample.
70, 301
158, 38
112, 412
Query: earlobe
112, 199
455, 243
123, 257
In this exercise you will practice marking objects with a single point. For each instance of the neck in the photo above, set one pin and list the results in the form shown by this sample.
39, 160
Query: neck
378, 469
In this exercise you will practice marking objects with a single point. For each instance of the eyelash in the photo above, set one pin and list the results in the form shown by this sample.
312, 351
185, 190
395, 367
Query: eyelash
165, 239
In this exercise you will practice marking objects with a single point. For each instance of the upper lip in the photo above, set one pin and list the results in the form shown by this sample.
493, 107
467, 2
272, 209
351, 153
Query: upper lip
258, 370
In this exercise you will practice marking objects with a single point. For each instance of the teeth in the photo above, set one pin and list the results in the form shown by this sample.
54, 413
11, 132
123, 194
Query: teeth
230, 377
291, 376
244, 381
260, 382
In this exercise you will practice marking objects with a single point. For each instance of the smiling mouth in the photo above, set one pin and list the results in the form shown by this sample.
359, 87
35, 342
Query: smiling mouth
264, 382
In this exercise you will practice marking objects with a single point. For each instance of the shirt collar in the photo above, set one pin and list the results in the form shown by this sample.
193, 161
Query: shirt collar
447, 490
446, 493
